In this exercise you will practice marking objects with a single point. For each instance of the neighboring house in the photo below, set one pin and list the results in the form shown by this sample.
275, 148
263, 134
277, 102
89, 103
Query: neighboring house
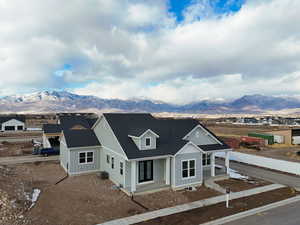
51, 134
143, 153
12, 123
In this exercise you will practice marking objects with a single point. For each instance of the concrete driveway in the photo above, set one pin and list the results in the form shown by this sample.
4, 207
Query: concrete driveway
279, 178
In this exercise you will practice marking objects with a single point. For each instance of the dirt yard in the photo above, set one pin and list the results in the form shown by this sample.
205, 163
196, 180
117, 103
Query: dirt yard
78, 200
213, 212
15, 149
237, 185
237, 130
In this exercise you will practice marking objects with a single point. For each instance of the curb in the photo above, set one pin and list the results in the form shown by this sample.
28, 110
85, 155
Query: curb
252, 211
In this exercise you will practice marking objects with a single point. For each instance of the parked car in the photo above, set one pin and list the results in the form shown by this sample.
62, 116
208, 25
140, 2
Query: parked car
49, 151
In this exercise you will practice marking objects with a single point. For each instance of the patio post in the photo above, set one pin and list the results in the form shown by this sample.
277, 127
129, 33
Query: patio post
168, 171
213, 173
133, 176
227, 162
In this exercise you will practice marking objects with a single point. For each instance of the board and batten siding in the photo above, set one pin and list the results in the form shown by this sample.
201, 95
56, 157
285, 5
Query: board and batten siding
106, 136
114, 173
64, 154
179, 181
153, 141
201, 137
76, 168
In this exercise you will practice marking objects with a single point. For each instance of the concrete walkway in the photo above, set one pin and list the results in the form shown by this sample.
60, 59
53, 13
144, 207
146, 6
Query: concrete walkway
189, 206
26, 159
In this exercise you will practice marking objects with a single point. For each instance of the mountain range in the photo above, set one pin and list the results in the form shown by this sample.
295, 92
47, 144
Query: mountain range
62, 101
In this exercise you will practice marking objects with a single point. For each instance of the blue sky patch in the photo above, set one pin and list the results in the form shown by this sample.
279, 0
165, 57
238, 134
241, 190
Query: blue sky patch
219, 6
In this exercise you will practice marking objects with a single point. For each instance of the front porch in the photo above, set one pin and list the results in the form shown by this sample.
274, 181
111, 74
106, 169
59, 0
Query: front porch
151, 175
213, 170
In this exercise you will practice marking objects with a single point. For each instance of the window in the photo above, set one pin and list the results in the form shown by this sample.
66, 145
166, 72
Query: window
188, 168
107, 159
148, 142
112, 162
206, 159
121, 168
86, 157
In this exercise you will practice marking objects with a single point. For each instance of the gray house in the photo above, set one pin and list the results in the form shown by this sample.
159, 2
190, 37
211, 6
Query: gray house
143, 153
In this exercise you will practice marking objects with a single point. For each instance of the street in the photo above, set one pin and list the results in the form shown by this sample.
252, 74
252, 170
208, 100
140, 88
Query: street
284, 215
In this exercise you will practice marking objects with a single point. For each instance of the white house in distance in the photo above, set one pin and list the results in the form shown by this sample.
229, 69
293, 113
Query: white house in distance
12, 123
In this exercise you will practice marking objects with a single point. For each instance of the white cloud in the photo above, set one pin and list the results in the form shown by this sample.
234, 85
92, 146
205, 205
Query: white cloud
132, 48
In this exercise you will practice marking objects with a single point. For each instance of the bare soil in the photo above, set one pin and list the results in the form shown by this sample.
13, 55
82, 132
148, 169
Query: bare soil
15, 149
79, 200
237, 185
213, 212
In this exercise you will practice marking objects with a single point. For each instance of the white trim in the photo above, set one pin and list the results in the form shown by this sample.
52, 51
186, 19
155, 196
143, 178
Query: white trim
189, 143
188, 169
151, 158
187, 185
156, 135
150, 141
206, 132
86, 163
146, 182
84, 172
138, 173
85, 147
111, 130
116, 153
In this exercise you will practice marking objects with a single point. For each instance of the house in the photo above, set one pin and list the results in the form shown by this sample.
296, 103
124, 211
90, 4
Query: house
12, 123
143, 153
52, 132
51, 135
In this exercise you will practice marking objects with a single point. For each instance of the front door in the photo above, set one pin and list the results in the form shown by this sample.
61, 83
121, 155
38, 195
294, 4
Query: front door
145, 171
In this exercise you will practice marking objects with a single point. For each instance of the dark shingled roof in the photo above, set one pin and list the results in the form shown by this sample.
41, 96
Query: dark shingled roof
4, 119
214, 147
67, 122
81, 138
171, 132
52, 128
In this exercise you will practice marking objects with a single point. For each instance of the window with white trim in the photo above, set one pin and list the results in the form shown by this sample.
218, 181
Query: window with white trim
206, 159
148, 141
107, 159
112, 162
188, 168
121, 168
86, 157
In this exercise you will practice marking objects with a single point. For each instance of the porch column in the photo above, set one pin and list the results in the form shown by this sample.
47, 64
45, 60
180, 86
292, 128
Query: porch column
168, 171
133, 176
212, 158
227, 162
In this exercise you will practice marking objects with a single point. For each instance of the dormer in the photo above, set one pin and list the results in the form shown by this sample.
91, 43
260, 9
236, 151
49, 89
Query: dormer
200, 136
144, 139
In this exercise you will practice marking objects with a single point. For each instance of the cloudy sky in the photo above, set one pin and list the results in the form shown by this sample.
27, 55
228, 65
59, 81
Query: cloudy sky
171, 50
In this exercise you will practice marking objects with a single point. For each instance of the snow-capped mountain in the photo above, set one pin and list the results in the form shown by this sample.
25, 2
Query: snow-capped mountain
62, 101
